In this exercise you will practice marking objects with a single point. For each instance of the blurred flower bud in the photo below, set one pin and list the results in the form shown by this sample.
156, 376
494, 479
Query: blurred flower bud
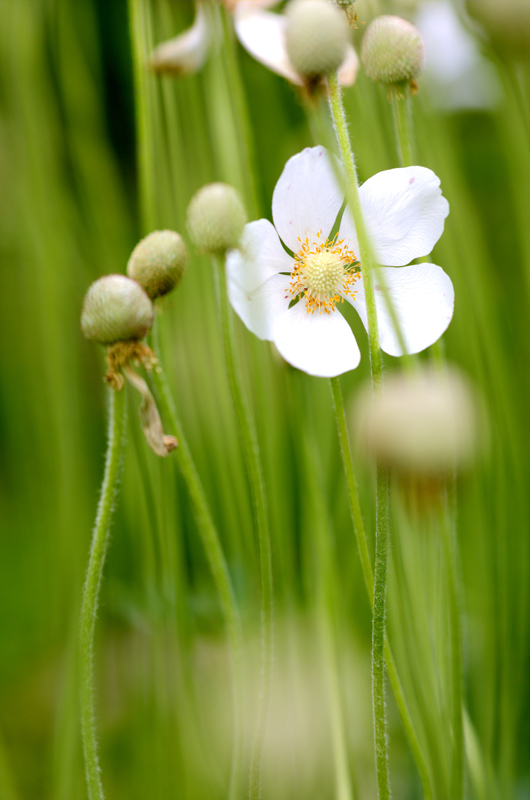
185, 53
507, 24
116, 309
392, 50
158, 262
216, 218
348, 8
316, 37
422, 424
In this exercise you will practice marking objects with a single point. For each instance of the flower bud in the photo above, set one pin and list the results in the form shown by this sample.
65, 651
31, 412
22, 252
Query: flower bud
116, 309
316, 37
158, 262
216, 218
392, 50
422, 424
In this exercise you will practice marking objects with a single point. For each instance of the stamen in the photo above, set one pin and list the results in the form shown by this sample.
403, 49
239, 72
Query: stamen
323, 273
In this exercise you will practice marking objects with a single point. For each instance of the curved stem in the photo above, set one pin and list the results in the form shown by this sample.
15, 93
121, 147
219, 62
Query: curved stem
382, 486
257, 486
89, 603
216, 560
360, 534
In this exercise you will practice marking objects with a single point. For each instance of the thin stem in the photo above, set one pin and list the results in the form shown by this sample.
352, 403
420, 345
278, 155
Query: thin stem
241, 116
327, 605
382, 499
89, 603
216, 560
400, 99
143, 133
457, 678
257, 486
362, 543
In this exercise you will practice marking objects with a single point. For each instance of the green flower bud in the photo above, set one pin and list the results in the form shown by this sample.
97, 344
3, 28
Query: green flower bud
216, 218
392, 50
316, 37
422, 424
158, 262
116, 309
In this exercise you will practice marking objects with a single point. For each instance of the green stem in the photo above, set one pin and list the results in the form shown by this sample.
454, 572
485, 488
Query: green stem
400, 99
241, 116
89, 603
362, 543
257, 486
327, 606
144, 153
216, 560
457, 678
382, 499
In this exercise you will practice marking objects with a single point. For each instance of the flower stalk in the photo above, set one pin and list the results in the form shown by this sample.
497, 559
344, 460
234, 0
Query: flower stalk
91, 589
401, 112
257, 486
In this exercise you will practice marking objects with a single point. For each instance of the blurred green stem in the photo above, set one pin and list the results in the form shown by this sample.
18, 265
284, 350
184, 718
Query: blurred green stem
241, 116
216, 560
360, 534
457, 676
91, 588
382, 485
257, 486
327, 607
401, 111
137, 24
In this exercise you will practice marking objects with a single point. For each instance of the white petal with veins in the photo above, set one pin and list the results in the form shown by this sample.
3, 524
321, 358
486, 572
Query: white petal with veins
307, 197
260, 308
319, 344
423, 299
259, 256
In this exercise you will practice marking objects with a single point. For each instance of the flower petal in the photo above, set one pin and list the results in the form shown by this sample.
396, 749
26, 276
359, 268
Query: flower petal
423, 299
347, 71
307, 197
260, 308
260, 255
262, 34
319, 344
404, 213
185, 53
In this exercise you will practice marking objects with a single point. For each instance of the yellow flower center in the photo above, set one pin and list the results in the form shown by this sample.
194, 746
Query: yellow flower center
323, 273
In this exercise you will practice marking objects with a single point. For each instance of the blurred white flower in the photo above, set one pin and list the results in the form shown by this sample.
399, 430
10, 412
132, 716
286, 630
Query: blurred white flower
458, 75
187, 52
262, 34
292, 300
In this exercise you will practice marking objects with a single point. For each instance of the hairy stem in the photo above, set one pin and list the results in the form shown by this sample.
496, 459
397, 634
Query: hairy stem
91, 589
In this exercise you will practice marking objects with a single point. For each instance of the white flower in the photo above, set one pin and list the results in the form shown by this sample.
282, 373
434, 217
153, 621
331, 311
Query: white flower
404, 214
262, 34
187, 52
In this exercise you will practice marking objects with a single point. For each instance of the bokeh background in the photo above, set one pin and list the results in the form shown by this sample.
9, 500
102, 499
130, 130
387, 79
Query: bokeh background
72, 207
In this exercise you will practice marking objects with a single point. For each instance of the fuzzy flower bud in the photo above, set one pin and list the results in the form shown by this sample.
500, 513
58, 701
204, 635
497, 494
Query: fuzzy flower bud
158, 262
422, 424
392, 50
316, 37
116, 309
216, 218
